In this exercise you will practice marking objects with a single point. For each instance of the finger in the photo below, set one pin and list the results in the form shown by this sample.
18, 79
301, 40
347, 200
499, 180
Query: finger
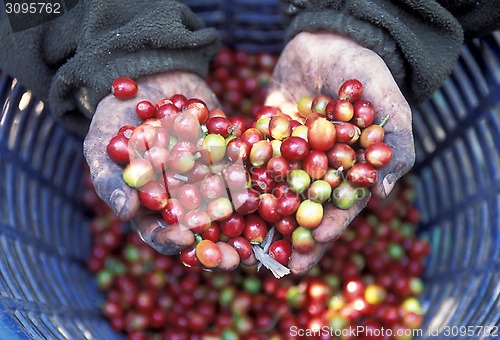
390, 103
250, 261
230, 258
400, 164
336, 220
403, 158
166, 239
105, 174
180, 82
300, 264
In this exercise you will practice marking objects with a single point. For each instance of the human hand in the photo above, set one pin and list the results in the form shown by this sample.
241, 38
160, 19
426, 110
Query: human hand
106, 175
314, 63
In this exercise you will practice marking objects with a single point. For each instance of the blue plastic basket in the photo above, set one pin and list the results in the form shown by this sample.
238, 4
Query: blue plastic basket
46, 291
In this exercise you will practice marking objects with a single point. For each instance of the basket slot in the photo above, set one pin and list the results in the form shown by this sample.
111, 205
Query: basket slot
489, 315
456, 173
436, 306
9, 271
460, 153
482, 302
475, 157
28, 325
487, 55
32, 271
63, 325
488, 132
473, 76
57, 330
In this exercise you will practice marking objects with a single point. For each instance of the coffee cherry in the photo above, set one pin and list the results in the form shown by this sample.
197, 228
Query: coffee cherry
153, 195
143, 137
197, 221
255, 229
238, 149
288, 204
118, 150
362, 175
189, 196
309, 214
268, 208
178, 100
186, 126
213, 233
145, 109
220, 209
279, 168
197, 108
333, 177
316, 164
341, 155
167, 114
304, 106
181, 161
242, 246
294, 149
319, 191
232, 226
124, 88
219, 125
321, 134
298, 180
213, 149
138, 172
212, 187
378, 154
350, 90
260, 153
319, 103
266, 111
262, 180
158, 157
364, 113
340, 110
375, 294
174, 211
280, 127
208, 253
344, 195
347, 133
245, 201
302, 240
252, 136
281, 250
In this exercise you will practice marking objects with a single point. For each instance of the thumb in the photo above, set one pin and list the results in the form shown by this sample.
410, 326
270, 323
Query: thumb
403, 158
108, 182
105, 174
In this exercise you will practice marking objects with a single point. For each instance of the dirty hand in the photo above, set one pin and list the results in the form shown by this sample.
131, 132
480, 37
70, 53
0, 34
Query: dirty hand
110, 115
314, 63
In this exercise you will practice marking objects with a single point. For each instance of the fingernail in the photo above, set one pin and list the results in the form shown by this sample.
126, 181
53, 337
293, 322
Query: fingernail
161, 225
388, 183
118, 200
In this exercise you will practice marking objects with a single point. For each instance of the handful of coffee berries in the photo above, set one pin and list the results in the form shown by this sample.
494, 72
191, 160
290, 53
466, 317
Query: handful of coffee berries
258, 187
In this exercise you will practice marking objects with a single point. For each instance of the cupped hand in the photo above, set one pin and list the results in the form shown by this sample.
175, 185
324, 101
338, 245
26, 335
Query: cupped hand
110, 115
314, 63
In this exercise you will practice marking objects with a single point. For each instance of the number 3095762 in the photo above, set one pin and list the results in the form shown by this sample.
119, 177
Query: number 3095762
33, 8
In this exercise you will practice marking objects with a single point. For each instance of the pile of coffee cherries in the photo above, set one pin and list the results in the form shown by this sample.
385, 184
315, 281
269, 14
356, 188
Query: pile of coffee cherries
259, 188
240, 80
369, 278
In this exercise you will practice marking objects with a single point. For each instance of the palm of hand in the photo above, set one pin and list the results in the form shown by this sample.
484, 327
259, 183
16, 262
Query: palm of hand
314, 63
110, 115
